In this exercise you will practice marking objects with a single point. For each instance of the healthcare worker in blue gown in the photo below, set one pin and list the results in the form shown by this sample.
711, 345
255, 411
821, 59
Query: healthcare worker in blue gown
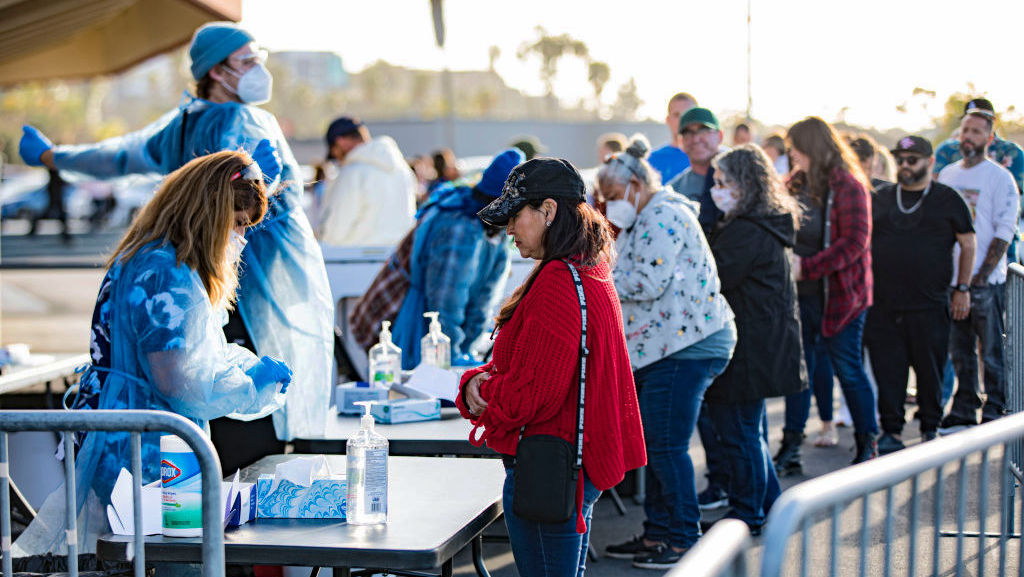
156, 338
284, 300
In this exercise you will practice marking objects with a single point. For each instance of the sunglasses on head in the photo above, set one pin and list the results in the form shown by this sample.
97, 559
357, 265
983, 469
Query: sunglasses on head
909, 160
250, 172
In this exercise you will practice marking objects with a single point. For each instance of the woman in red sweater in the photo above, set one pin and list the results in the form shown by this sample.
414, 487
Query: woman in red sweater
533, 379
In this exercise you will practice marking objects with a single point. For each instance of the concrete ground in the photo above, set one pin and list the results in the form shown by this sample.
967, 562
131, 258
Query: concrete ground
50, 309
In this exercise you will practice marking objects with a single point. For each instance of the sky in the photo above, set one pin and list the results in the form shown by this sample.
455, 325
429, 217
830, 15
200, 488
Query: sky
858, 60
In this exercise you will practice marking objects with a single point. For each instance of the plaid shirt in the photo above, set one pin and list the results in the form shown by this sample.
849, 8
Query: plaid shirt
383, 299
846, 263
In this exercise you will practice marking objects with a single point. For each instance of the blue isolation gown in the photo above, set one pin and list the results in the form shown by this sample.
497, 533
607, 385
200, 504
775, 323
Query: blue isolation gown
167, 352
283, 296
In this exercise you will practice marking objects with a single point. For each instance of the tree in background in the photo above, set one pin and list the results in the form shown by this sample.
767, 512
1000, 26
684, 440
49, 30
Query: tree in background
627, 102
598, 74
549, 50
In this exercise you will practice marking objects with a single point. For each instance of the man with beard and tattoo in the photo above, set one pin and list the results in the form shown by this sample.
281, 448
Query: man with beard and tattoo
991, 194
915, 224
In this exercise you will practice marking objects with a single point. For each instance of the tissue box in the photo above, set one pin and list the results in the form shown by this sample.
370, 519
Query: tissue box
345, 395
324, 499
406, 410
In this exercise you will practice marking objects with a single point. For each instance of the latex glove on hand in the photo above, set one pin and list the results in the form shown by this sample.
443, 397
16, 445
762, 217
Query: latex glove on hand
265, 156
33, 144
272, 370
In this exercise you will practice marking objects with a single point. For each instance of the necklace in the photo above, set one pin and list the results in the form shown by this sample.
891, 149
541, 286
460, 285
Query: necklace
917, 205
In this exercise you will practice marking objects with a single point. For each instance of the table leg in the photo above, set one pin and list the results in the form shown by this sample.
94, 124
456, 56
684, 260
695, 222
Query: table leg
478, 558
617, 500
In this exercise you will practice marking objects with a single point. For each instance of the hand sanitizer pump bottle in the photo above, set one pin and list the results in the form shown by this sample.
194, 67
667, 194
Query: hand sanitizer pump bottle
385, 360
436, 347
367, 474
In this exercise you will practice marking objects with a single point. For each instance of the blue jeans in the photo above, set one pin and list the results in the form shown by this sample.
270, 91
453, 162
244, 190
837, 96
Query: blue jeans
718, 469
670, 393
985, 324
548, 549
742, 435
844, 352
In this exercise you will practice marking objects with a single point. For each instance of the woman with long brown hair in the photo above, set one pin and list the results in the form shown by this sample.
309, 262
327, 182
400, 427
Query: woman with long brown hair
833, 270
156, 339
531, 386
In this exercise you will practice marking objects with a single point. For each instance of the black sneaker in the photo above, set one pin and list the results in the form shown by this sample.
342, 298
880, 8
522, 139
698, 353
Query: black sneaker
662, 557
714, 497
888, 443
629, 549
928, 436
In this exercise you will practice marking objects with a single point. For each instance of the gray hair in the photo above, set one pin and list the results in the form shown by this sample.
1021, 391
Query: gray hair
631, 163
761, 190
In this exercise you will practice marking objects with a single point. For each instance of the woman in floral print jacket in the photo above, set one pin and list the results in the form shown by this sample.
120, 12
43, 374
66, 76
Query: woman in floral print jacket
680, 335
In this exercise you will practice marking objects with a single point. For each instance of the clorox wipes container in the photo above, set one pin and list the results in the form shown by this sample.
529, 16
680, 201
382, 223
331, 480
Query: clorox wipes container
181, 499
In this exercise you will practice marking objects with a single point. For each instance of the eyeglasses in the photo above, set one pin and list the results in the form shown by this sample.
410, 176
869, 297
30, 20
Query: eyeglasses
908, 160
690, 133
246, 60
250, 172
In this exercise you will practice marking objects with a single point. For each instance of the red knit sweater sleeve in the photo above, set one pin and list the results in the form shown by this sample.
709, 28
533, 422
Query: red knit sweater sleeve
460, 402
544, 357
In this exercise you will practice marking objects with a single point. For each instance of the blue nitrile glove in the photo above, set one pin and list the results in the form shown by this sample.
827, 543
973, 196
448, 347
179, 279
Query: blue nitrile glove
33, 144
265, 156
271, 370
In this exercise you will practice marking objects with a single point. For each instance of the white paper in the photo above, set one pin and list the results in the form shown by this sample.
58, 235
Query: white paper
435, 382
121, 511
302, 471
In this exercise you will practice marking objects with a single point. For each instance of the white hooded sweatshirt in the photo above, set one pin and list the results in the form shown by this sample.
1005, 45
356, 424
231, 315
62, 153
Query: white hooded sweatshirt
372, 200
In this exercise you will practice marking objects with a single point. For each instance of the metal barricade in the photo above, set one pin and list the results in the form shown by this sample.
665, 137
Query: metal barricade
136, 422
722, 552
904, 479
1014, 348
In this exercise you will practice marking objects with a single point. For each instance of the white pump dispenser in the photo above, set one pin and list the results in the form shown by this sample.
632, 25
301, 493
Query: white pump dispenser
385, 360
436, 347
366, 474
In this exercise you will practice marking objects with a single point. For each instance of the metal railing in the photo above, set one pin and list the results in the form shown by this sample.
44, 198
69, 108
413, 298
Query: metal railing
831, 495
1014, 349
722, 552
136, 422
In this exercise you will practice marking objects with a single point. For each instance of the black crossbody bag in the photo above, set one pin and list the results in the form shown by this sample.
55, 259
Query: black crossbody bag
547, 468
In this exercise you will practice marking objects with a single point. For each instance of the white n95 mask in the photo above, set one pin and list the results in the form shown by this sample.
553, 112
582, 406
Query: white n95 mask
723, 199
236, 243
621, 212
254, 85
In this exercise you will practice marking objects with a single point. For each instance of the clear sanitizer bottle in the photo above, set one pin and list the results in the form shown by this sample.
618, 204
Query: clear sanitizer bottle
436, 347
385, 360
367, 474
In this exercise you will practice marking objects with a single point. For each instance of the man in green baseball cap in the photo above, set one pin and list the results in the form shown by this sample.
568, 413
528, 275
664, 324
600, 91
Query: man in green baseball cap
702, 140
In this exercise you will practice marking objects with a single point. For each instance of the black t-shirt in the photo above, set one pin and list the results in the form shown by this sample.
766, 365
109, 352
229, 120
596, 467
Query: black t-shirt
810, 237
912, 254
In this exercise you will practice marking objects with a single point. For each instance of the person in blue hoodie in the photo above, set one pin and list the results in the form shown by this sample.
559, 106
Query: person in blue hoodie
284, 301
458, 265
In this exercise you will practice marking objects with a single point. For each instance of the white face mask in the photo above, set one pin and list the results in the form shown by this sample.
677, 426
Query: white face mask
621, 212
254, 85
236, 243
723, 199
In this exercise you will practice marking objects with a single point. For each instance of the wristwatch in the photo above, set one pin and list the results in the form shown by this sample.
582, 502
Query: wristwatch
963, 288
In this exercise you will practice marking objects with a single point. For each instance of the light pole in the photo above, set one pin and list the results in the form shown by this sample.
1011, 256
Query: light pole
437, 7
